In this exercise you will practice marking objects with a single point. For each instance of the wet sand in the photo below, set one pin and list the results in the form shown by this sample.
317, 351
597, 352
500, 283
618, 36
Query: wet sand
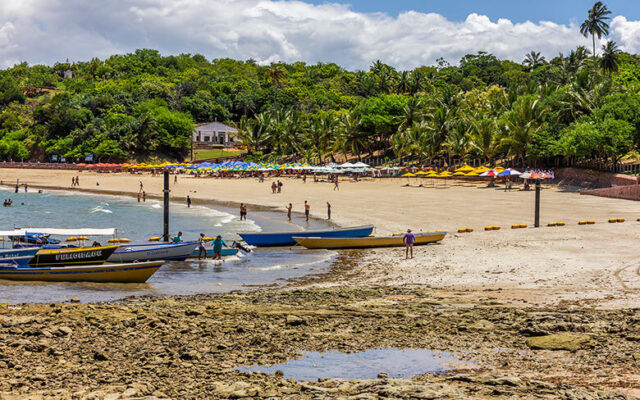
591, 265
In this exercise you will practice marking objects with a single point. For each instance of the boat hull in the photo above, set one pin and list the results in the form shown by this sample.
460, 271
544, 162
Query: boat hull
18, 256
367, 242
146, 252
266, 239
72, 256
225, 252
114, 273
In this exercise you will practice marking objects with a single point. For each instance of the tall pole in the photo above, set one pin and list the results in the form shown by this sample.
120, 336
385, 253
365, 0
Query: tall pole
537, 213
166, 206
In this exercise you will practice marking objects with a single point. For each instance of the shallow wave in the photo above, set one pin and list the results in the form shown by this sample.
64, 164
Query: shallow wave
100, 209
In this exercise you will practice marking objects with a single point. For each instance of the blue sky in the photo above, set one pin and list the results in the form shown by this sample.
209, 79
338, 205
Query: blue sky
355, 36
560, 11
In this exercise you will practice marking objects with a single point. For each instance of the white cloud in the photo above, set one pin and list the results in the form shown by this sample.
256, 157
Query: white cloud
46, 31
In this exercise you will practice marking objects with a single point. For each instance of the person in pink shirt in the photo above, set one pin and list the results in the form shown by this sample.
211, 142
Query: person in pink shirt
408, 239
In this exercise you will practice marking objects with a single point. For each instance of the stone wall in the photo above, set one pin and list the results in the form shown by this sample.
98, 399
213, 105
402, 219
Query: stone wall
590, 179
627, 192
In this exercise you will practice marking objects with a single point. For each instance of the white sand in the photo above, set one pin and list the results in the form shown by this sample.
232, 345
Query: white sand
597, 264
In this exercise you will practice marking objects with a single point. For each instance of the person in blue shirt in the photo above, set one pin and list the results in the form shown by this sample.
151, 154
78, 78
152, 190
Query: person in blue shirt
217, 247
177, 239
408, 239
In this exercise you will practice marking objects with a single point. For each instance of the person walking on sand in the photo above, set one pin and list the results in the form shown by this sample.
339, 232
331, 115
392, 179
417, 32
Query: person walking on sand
328, 210
243, 212
274, 187
73, 181
77, 181
335, 184
175, 179
188, 201
279, 186
289, 207
141, 187
307, 208
408, 239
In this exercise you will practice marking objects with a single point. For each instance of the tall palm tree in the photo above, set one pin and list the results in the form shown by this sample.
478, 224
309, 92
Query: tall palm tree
277, 74
533, 60
609, 60
596, 25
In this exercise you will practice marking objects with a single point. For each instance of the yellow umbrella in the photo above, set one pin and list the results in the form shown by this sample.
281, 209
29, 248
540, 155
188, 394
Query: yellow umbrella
445, 174
465, 168
422, 173
499, 169
481, 169
408, 175
459, 173
473, 173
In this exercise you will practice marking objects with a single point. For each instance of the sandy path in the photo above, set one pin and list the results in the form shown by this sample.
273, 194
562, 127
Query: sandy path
542, 265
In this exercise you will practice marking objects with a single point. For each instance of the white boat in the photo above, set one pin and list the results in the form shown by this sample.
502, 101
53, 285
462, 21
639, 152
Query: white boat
154, 251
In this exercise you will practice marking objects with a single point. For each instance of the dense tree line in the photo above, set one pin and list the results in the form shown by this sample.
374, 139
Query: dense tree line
582, 105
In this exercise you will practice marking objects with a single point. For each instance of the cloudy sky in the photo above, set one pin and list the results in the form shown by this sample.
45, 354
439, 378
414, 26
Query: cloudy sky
353, 34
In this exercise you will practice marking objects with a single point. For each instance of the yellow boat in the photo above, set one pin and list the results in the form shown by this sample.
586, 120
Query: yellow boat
117, 273
368, 242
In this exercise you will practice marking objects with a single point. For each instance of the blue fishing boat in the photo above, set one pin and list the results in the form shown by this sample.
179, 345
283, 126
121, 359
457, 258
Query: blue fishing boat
272, 239
18, 256
229, 251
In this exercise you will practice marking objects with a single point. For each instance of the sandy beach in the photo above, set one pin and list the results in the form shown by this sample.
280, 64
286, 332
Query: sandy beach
590, 265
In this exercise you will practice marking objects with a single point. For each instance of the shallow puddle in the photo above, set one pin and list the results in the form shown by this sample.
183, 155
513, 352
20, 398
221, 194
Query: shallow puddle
396, 363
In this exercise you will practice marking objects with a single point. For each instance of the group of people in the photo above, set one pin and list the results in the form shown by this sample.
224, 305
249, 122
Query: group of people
276, 187
8, 203
202, 249
307, 210
75, 181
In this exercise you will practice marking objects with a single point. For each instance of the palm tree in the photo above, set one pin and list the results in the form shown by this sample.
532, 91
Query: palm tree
533, 60
254, 133
484, 138
522, 123
596, 25
277, 74
609, 60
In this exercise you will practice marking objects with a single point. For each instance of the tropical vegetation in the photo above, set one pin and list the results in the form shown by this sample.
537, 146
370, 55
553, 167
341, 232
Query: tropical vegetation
581, 105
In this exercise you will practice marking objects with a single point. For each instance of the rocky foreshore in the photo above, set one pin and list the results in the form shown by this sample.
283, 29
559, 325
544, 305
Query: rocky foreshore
188, 347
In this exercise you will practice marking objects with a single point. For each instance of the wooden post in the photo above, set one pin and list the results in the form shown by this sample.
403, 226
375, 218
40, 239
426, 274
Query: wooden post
537, 210
166, 206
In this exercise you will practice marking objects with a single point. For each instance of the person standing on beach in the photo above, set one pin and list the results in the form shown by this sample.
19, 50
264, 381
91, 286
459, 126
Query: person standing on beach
289, 207
144, 196
139, 197
307, 208
141, 187
408, 239
188, 201
77, 181
243, 212
73, 181
328, 210
335, 184
274, 187
201, 247
279, 186
175, 179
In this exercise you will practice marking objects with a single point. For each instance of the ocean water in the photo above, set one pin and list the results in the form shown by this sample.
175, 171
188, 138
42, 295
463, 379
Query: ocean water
138, 222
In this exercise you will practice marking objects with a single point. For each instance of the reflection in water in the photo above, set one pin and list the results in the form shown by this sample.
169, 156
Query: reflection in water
396, 363
139, 221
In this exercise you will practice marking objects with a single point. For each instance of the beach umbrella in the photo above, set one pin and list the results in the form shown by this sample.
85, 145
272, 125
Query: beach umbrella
509, 172
360, 164
499, 169
459, 173
490, 172
472, 173
481, 169
408, 175
465, 169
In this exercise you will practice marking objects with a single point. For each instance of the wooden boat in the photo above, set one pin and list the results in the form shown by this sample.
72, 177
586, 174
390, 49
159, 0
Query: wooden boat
116, 273
72, 256
20, 256
154, 251
266, 239
229, 251
368, 242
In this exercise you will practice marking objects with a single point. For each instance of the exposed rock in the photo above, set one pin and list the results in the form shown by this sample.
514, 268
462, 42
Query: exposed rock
64, 331
294, 320
560, 341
